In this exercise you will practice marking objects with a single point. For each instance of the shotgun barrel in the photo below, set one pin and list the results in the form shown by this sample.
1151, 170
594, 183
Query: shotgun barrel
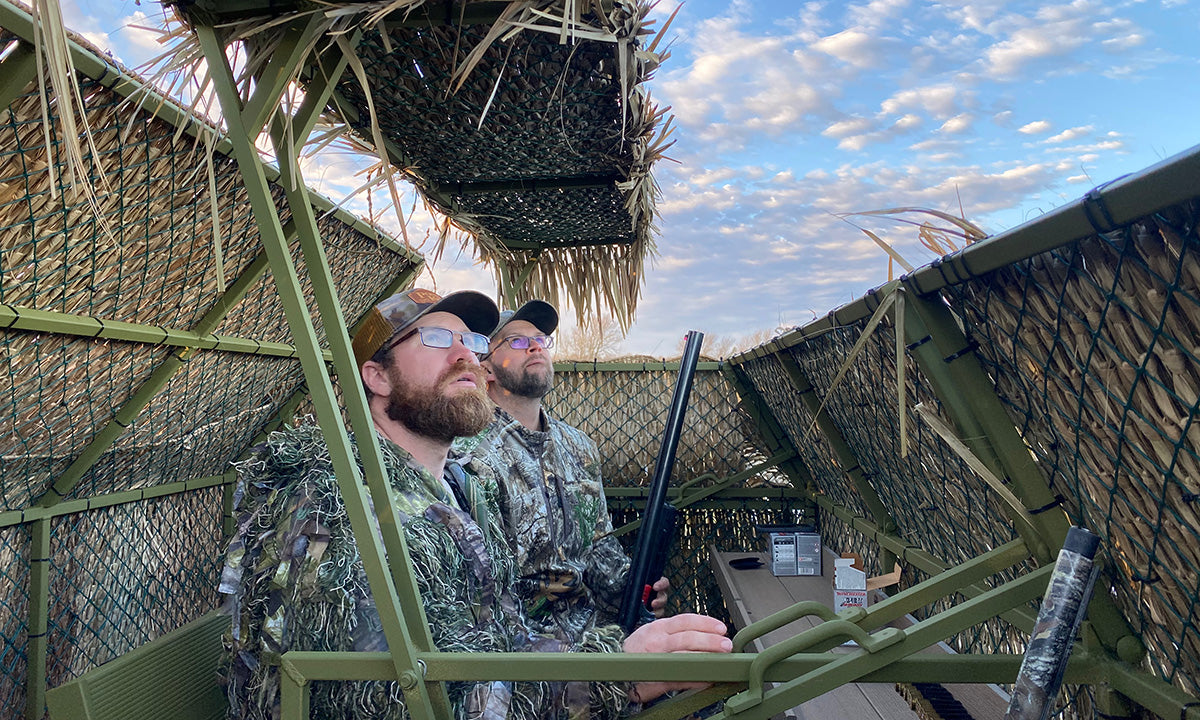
658, 518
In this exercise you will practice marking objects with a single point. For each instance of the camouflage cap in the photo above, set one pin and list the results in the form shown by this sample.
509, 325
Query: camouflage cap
538, 313
401, 310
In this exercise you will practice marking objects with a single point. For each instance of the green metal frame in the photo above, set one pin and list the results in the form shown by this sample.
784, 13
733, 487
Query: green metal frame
935, 341
17, 70
888, 655
681, 498
955, 374
406, 633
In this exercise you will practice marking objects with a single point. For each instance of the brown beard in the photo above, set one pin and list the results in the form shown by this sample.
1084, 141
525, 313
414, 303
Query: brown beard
527, 383
429, 412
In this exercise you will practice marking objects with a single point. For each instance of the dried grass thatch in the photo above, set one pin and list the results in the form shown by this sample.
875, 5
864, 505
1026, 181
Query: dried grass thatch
955, 233
530, 129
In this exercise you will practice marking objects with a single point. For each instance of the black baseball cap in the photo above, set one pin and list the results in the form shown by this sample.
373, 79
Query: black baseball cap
538, 313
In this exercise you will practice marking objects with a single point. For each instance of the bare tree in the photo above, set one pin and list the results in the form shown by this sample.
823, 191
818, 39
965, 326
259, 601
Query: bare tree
723, 346
599, 339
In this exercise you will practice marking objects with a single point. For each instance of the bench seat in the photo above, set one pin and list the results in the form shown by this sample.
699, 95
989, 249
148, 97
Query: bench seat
173, 676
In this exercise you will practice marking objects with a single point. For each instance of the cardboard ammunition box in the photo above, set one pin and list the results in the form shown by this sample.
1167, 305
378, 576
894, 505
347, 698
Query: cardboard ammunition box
793, 549
849, 584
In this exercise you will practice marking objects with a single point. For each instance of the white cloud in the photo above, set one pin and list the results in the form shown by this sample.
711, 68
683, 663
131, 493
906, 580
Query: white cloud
847, 128
940, 101
1034, 128
1070, 134
852, 47
957, 124
673, 262
1107, 146
1123, 42
738, 84
858, 133
712, 176
1057, 31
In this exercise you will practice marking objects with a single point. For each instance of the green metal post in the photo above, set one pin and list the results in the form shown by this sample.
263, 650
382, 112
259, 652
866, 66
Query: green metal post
845, 455
969, 397
293, 692
416, 630
18, 70
420, 705
39, 619
513, 280
271, 81
967, 393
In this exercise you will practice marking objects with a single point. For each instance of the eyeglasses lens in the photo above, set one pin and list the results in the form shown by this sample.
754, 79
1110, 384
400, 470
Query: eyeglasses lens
436, 337
521, 342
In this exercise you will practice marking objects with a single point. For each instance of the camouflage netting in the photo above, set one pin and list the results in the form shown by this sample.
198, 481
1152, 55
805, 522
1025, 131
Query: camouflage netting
625, 412
120, 409
124, 569
1092, 350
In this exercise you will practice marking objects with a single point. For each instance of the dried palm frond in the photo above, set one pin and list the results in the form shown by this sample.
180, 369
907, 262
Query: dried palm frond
569, 272
940, 240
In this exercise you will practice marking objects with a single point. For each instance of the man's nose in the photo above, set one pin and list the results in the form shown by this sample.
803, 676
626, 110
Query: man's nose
458, 351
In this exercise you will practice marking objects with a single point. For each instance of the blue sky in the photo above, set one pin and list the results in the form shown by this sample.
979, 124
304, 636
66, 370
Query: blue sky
790, 113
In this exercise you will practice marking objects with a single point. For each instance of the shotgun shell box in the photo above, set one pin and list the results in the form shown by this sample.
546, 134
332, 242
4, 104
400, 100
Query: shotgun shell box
849, 585
794, 550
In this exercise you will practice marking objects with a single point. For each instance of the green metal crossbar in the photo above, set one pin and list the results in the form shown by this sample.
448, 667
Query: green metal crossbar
681, 500
13, 317
17, 70
68, 507
304, 667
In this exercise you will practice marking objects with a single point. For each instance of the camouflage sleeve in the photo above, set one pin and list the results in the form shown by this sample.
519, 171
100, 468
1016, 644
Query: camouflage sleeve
607, 564
608, 699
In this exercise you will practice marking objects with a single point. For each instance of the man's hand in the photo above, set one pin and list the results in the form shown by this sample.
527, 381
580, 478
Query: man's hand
659, 603
680, 633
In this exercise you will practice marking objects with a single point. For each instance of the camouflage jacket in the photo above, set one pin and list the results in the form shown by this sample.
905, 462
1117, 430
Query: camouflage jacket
571, 571
295, 581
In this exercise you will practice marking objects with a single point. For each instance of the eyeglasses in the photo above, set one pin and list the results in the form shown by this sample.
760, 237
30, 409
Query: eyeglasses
522, 342
436, 337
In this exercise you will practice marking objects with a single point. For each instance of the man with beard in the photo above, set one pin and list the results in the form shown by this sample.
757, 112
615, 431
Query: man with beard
571, 570
296, 581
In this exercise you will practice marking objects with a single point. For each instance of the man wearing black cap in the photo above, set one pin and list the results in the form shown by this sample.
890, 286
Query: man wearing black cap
293, 572
571, 570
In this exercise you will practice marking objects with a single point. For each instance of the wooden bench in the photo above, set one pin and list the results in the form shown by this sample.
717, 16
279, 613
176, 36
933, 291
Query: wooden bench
754, 594
173, 676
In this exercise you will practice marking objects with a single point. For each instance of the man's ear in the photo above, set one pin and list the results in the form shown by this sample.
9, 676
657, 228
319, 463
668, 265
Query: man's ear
491, 374
375, 378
